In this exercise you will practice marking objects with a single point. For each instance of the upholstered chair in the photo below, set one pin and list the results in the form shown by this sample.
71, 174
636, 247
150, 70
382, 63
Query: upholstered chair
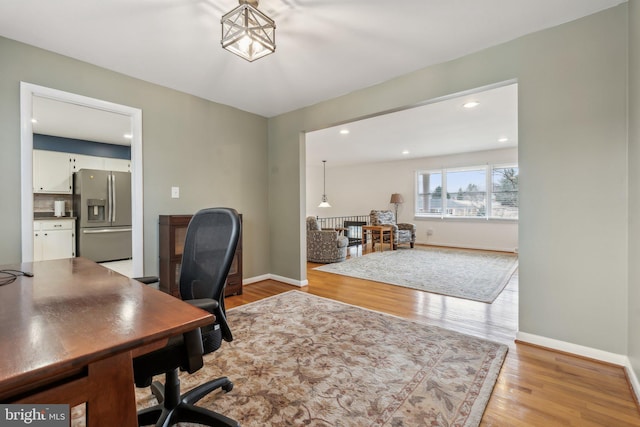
402, 232
324, 246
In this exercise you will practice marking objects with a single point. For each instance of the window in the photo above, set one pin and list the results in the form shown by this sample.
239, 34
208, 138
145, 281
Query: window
504, 192
473, 192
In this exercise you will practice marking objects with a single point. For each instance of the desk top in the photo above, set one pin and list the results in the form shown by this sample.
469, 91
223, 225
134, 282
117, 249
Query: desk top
73, 312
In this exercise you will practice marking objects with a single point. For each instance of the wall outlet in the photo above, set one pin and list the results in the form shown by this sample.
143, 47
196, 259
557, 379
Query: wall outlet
175, 192
430, 232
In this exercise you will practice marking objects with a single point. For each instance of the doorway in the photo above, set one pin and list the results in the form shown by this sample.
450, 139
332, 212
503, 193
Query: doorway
27, 93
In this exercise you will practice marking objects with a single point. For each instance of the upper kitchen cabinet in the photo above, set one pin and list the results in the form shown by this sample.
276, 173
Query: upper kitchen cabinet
51, 172
81, 161
117, 165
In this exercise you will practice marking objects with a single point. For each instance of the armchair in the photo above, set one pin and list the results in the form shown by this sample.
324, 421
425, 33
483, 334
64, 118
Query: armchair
324, 246
402, 232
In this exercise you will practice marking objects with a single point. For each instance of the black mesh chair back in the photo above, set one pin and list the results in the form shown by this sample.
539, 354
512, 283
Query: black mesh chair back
206, 262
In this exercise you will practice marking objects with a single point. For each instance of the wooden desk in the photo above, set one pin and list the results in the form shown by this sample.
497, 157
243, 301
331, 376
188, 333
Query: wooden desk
69, 334
381, 229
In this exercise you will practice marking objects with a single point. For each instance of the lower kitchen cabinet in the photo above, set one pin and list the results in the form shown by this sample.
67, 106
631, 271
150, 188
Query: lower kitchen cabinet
54, 239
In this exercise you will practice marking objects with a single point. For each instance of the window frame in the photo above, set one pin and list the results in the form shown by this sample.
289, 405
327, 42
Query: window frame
444, 209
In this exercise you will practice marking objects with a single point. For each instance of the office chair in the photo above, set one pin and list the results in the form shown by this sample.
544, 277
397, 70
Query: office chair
210, 244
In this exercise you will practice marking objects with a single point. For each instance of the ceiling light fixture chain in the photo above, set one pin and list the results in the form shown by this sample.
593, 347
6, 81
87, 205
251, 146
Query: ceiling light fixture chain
248, 32
325, 202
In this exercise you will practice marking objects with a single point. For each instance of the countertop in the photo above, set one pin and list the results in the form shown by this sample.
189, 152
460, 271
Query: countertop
49, 216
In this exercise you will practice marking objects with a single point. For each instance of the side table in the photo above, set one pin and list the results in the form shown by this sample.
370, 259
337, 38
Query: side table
381, 229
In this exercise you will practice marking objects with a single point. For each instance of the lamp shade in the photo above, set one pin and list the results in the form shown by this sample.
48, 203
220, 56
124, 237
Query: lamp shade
396, 198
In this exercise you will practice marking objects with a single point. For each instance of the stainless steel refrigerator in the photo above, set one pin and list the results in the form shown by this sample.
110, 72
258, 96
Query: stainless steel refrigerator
102, 203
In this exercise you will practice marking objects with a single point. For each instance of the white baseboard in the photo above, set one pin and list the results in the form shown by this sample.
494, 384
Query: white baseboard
482, 248
256, 279
589, 352
288, 281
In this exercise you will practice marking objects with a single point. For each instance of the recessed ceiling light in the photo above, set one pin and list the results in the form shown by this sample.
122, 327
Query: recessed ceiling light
34, 120
471, 104
344, 132
127, 136
405, 152
503, 139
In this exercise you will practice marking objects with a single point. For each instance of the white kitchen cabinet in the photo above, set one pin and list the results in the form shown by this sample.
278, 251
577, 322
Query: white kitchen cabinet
51, 172
54, 239
118, 165
82, 161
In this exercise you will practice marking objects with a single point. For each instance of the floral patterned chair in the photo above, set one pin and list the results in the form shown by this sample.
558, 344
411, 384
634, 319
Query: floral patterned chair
324, 246
402, 232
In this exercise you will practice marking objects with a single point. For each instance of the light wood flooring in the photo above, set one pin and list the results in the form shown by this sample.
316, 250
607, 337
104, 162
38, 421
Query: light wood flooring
536, 387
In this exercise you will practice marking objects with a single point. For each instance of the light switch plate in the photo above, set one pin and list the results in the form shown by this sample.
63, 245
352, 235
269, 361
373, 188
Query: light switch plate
175, 192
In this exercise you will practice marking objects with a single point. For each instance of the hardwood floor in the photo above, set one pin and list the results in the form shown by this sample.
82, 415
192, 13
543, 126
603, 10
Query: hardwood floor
536, 386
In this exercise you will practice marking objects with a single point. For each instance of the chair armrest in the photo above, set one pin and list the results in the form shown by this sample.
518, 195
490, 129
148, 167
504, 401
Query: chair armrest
194, 349
324, 235
147, 280
343, 242
206, 304
406, 226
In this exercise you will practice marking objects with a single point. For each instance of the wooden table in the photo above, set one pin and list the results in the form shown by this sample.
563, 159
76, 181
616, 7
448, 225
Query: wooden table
70, 332
381, 229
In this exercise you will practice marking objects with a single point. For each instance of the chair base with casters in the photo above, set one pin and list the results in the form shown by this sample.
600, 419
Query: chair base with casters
174, 408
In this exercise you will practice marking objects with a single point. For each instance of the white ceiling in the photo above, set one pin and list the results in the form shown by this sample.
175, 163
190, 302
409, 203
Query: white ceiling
438, 128
325, 48
57, 118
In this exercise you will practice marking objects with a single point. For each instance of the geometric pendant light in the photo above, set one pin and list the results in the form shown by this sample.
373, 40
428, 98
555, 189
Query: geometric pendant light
247, 32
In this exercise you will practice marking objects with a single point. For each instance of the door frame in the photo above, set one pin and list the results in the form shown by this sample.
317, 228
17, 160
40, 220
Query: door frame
27, 92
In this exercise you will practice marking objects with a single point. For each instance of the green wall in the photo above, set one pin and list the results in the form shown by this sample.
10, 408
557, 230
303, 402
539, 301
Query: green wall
634, 185
573, 165
216, 154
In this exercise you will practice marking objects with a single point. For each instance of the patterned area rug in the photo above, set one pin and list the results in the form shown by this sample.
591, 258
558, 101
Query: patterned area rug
302, 360
474, 275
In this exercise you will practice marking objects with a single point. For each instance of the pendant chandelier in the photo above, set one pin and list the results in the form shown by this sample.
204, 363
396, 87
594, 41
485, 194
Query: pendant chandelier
325, 202
247, 32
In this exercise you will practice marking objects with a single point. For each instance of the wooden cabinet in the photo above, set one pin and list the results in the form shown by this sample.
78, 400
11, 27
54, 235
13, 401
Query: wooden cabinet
54, 239
172, 231
51, 172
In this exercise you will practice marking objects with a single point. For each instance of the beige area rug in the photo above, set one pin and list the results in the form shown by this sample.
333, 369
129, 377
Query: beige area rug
302, 360
475, 275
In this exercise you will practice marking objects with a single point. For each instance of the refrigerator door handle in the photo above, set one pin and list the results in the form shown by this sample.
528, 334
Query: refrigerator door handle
113, 197
109, 198
105, 230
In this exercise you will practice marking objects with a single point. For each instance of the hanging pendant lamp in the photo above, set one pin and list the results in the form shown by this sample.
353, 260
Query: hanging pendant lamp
325, 202
248, 32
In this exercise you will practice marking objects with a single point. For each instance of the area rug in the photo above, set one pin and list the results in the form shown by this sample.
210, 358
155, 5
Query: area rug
474, 275
302, 360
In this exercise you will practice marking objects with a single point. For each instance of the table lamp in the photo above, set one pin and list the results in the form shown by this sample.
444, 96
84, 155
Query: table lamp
396, 199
